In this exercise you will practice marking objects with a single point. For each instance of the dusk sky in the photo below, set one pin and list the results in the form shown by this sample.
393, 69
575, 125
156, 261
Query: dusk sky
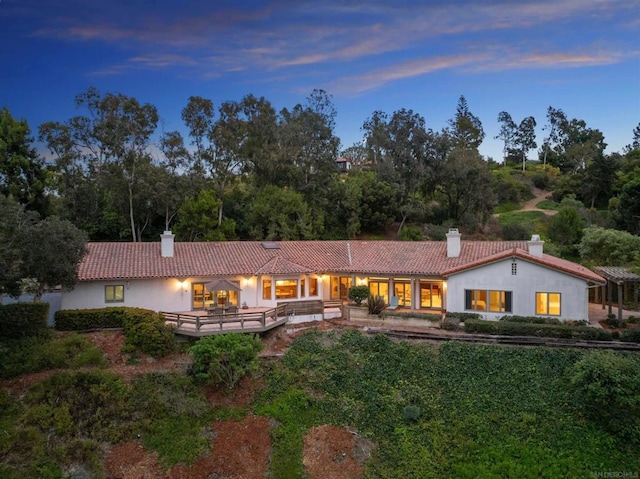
581, 56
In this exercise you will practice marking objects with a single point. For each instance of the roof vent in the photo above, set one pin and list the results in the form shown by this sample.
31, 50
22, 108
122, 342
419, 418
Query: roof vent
270, 245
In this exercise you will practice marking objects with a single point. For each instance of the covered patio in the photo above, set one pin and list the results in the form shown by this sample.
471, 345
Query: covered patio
626, 282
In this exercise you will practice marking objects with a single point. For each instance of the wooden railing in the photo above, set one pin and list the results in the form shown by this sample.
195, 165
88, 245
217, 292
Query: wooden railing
195, 323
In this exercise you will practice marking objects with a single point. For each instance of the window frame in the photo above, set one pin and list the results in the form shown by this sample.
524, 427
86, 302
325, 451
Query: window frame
473, 297
113, 288
547, 303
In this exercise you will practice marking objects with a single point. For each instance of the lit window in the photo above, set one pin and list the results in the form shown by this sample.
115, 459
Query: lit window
492, 301
114, 293
313, 286
266, 289
548, 304
286, 288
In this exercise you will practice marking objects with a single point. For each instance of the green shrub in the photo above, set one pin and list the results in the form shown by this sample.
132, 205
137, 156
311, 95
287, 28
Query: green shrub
20, 320
88, 319
411, 413
530, 319
30, 355
412, 315
631, 335
613, 321
538, 330
608, 385
358, 294
93, 405
463, 316
376, 304
451, 323
411, 233
225, 358
146, 331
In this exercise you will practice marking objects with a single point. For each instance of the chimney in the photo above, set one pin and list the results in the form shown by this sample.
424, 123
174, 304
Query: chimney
535, 246
453, 243
166, 244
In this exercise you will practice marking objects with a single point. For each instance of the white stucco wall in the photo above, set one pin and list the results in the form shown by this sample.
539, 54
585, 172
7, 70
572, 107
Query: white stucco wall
530, 279
169, 294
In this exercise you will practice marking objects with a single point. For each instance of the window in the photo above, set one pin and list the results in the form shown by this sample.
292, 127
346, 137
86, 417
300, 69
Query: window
514, 269
492, 301
548, 304
286, 288
302, 287
402, 290
266, 289
378, 287
203, 298
114, 293
430, 295
340, 286
313, 286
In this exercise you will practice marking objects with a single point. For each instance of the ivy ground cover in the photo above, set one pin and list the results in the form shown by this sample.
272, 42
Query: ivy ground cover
453, 410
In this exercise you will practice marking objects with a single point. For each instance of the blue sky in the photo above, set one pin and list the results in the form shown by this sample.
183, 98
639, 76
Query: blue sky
520, 56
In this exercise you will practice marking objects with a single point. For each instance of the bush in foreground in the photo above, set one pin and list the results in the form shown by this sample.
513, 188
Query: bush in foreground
225, 358
609, 388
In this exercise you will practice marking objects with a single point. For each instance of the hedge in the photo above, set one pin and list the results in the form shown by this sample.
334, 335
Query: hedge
631, 335
463, 316
20, 320
99, 318
144, 329
538, 330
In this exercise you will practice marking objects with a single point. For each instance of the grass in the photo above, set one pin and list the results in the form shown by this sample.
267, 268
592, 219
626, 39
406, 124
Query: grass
521, 217
548, 205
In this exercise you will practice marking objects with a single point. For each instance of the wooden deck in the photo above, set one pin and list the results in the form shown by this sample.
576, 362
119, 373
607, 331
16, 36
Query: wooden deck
201, 323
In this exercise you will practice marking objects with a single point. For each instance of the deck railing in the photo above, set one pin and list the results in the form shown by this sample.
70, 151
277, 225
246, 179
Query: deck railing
194, 323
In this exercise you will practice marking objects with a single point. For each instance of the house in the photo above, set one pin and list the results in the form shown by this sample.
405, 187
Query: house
343, 164
492, 278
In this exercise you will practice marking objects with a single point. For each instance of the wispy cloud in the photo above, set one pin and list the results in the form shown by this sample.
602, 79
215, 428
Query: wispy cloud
283, 34
377, 78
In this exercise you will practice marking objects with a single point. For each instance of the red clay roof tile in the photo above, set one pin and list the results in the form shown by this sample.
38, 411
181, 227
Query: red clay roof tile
107, 261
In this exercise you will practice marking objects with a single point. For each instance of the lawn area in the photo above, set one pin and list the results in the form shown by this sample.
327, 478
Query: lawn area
521, 218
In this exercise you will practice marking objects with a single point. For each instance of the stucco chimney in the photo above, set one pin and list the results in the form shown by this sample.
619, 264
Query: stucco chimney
453, 243
166, 244
535, 246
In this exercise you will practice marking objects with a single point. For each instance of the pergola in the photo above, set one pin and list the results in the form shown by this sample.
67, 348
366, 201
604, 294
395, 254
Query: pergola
623, 278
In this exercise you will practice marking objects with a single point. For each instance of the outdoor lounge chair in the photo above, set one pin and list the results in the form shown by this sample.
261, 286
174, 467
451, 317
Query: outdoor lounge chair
394, 303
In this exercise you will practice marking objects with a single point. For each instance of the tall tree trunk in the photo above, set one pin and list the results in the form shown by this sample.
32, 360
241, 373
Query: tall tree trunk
131, 219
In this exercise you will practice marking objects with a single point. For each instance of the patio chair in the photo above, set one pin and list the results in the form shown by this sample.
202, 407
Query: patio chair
394, 303
232, 308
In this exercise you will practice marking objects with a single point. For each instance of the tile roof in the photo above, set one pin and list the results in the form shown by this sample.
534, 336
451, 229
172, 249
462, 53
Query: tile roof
109, 261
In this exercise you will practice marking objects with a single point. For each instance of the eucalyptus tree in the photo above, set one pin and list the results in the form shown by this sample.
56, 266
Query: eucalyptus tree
556, 121
508, 130
518, 139
112, 139
23, 175
280, 214
15, 222
306, 137
465, 187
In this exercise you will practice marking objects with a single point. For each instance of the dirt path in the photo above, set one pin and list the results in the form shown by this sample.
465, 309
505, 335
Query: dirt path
540, 195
